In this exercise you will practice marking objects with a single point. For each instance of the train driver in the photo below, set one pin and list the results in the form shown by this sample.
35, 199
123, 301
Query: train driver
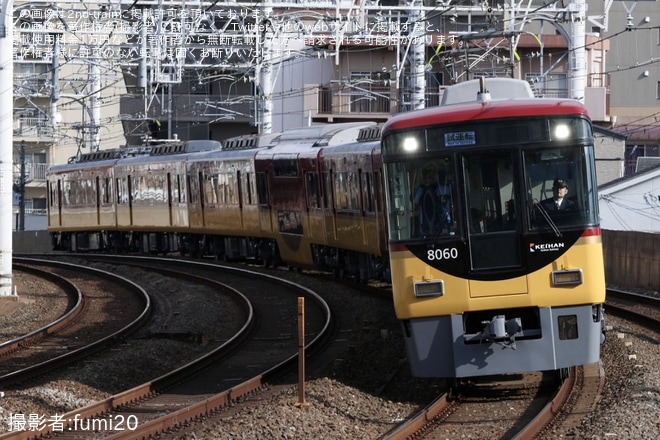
559, 201
432, 199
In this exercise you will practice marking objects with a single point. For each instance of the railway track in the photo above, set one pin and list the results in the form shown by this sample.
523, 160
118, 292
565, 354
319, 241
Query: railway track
262, 349
576, 405
577, 395
93, 320
644, 309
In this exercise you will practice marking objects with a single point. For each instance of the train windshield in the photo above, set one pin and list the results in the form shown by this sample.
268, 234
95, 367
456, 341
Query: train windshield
560, 190
423, 198
492, 196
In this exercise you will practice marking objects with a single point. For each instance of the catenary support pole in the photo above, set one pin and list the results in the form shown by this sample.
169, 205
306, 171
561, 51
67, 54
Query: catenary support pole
6, 143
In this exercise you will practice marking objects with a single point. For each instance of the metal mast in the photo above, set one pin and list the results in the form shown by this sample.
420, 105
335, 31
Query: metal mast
6, 142
578, 65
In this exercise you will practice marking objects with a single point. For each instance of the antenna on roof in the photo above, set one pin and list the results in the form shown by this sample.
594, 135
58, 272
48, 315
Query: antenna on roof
483, 94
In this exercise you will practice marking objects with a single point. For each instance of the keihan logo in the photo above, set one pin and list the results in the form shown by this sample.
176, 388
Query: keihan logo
546, 247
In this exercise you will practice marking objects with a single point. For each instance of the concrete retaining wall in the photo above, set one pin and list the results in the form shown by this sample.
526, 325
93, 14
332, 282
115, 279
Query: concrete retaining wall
31, 242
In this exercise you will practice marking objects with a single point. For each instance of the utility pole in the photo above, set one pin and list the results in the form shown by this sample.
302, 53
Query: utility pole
578, 64
21, 190
264, 74
417, 59
6, 135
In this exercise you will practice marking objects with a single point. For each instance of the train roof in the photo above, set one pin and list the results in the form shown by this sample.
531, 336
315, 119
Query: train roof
73, 166
191, 146
324, 135
494, 88
475, 111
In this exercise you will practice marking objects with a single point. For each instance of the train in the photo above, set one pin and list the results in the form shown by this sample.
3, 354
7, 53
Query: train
449, 204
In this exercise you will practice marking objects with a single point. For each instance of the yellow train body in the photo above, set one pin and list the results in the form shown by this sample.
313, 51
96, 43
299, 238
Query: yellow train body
535, 289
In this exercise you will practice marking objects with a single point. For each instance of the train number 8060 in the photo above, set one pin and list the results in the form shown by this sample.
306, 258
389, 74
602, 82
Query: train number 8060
442, 254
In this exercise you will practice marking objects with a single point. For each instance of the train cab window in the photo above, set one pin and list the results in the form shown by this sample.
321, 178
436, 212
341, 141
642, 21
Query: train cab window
560, 192
423, 199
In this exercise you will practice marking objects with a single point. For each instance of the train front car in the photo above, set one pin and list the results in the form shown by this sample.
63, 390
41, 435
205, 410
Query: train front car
489, 275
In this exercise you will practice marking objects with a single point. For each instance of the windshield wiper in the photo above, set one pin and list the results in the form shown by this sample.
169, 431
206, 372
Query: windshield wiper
547, 218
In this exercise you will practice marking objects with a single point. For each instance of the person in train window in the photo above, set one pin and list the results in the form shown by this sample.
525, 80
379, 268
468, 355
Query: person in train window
432, 199
559, 200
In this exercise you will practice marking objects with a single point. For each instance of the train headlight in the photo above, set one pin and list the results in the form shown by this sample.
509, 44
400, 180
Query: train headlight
562, 132
410, 144
570, 277
429, 288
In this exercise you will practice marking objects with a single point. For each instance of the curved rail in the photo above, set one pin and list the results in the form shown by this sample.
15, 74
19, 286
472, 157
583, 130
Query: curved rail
219, 400
205, 406
74, 294
87, 350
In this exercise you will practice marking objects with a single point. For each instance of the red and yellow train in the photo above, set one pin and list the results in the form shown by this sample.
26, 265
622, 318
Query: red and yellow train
450, 203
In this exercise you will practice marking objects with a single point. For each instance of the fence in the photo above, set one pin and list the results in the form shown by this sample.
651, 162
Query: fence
632, 259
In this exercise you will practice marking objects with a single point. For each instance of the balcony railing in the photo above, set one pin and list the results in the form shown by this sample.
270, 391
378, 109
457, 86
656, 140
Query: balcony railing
34, 172
340, 99
28, 126
351, 100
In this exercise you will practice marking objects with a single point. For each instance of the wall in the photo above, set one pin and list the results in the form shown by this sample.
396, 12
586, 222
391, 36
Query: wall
632, 259
31, 242
610, 153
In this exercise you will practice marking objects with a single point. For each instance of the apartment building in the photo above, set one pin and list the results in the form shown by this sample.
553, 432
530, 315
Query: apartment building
633, 75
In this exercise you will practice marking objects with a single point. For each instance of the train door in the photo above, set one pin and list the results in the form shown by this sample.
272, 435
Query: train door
55, 203
169, 201
263, 198
98, 189
366, 208
329, 206
315, 219
491, 211
129, 191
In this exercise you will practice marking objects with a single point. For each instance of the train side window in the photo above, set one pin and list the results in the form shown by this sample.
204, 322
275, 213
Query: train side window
66, 193
179, 189
248, 188
193, 189
210, 190
106, 191
378, 191
368, 196
230, 193
262, 189
346, 191
121, 191
399, 219
327, 195
137, 188
312, 189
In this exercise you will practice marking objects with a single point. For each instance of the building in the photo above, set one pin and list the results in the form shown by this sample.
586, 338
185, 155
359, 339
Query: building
633, 74
631, 203
129, 72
